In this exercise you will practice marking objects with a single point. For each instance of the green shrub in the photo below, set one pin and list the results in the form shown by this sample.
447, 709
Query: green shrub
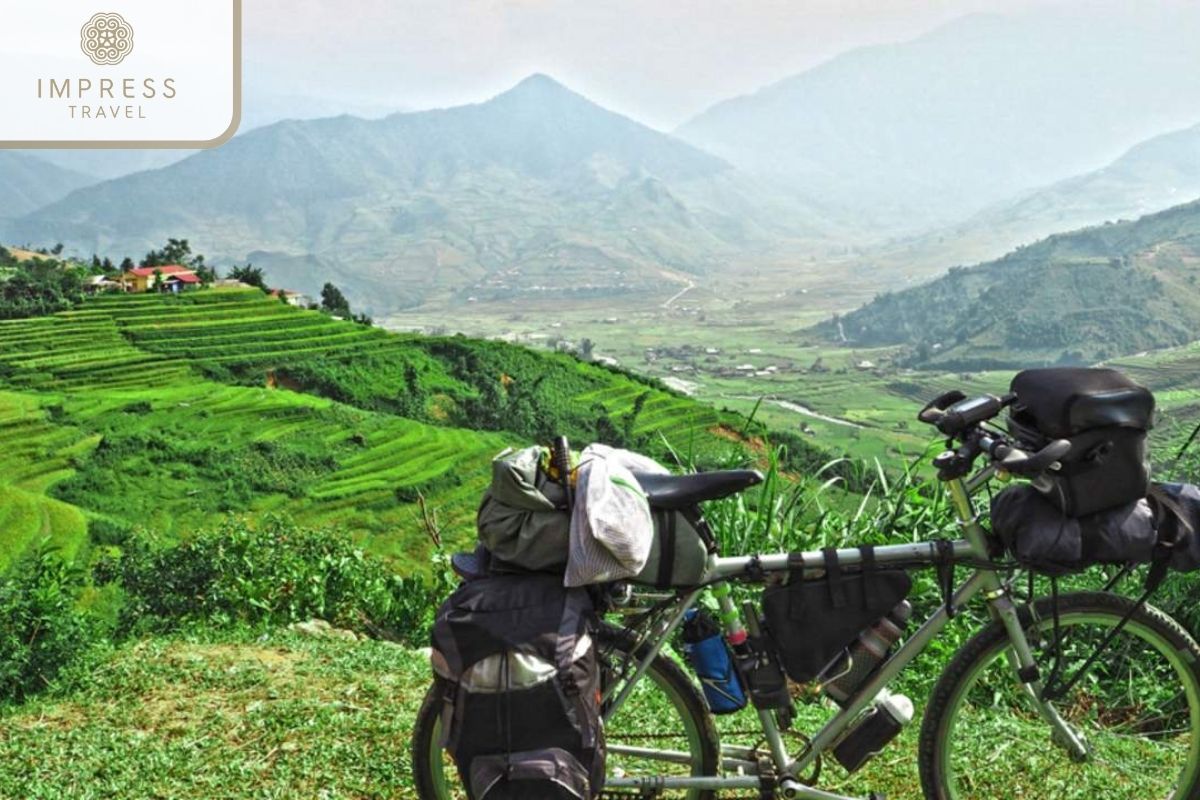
42, 629
271, 575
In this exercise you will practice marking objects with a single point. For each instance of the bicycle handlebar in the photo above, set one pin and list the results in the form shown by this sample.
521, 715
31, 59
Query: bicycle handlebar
1015, 460
956, 416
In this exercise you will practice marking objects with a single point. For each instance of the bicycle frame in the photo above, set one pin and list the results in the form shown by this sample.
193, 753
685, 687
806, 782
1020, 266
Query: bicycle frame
972, 546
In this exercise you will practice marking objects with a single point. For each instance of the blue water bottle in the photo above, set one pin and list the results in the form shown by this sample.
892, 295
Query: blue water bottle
705, 649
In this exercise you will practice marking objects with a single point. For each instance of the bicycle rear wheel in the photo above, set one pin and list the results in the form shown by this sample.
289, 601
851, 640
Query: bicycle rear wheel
662, 729
1137, 708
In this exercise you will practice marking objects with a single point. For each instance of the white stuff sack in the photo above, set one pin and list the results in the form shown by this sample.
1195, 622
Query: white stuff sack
611, 527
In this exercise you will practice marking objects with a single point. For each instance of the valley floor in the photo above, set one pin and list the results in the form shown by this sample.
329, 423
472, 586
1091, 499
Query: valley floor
734, 343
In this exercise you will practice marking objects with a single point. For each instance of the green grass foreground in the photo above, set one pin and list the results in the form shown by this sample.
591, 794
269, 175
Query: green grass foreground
277, 716
281, 716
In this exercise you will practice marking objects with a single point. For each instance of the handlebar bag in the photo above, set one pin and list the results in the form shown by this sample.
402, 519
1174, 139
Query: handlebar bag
813, 619
1040, 536
520, 683
1105, 417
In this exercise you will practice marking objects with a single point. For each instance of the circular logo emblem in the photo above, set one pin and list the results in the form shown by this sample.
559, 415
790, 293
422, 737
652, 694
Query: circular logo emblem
106, 39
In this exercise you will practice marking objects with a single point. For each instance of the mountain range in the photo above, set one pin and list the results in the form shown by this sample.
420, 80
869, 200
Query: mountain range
1072, 298
30, 182
536, 189
1151, 176
906, 137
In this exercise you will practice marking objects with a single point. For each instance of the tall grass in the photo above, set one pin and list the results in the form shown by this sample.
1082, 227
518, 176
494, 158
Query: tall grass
789, 512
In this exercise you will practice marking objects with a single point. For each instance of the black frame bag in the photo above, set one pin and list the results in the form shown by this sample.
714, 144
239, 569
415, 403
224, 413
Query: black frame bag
1104, 415
521, 683
813, 620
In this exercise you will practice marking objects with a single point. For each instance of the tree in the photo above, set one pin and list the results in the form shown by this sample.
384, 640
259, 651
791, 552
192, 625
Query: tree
207, 274
57, 249
107, 265
334, 302
250, 275
127, 264
176, 251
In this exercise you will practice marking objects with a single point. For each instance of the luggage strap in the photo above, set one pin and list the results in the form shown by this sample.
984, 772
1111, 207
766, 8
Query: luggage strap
1162, 504
666, 550
833, 578
564, 654
870, 585
944, 566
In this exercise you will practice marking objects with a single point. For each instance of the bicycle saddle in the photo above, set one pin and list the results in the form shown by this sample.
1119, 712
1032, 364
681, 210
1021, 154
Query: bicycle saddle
683, 491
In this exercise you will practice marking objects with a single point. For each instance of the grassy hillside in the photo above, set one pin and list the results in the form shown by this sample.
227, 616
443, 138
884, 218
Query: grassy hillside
1078, 297
165, 413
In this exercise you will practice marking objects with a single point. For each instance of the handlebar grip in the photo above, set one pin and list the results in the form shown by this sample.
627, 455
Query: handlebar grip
935, 409
1019, 462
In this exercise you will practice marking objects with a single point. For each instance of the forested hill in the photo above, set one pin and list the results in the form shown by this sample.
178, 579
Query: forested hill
1076, 297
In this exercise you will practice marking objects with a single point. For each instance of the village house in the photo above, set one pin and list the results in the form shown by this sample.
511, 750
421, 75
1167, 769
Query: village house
293, 298
100, 283
175, 278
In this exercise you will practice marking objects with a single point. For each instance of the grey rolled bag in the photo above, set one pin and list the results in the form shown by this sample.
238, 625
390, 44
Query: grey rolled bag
524, 525
1160, 526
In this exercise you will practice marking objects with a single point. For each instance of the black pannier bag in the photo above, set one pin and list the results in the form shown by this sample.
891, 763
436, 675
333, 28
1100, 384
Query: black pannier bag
1041, 536
518, 667
1104, 415
812, 621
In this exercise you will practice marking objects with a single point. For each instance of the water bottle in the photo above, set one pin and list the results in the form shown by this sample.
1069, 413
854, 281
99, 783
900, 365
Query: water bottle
705, 649
850, 670
880, 725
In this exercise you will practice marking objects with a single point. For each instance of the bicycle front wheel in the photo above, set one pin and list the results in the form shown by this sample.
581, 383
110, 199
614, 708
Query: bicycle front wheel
662, 729
1137, 709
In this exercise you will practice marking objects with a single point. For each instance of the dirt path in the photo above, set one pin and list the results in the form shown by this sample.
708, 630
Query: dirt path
679, 294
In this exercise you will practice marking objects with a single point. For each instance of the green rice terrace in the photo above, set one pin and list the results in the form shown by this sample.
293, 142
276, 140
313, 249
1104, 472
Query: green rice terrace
167, 413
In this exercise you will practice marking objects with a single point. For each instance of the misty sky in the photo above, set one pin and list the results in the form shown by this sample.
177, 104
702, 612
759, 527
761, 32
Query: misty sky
660, 61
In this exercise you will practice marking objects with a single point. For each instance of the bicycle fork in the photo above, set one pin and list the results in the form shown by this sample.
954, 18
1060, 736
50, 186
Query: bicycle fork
1000, 605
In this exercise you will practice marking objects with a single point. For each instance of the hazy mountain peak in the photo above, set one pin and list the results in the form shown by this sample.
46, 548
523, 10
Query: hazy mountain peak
539, 82
541, 93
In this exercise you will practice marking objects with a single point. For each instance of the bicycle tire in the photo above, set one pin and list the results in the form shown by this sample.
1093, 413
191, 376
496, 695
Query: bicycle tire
1041, 765
662, 672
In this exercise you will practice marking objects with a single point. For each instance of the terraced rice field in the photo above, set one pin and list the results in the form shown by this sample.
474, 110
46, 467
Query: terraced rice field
64, 375
132, 367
